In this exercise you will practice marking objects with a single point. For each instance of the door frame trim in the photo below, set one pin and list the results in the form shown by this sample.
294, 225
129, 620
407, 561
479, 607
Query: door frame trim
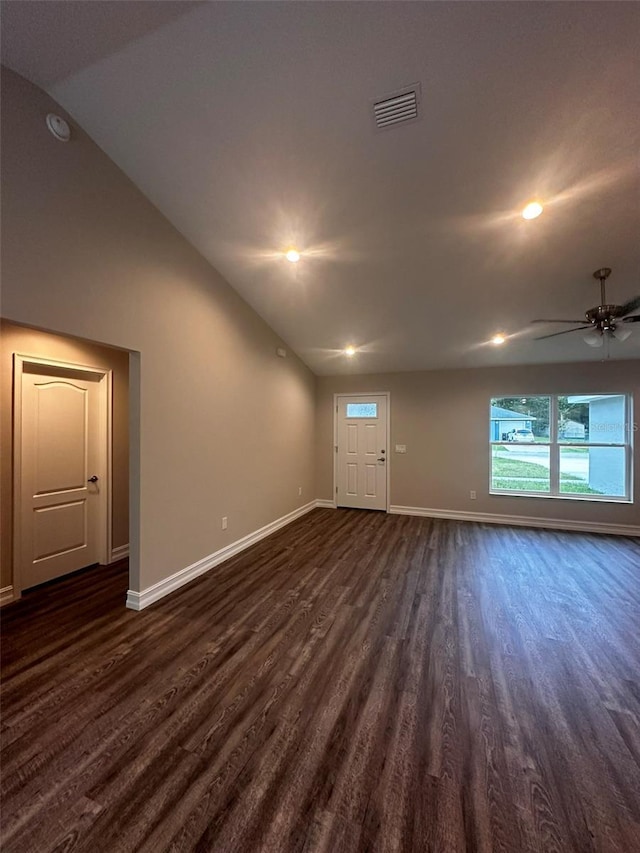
21, 363
336, 397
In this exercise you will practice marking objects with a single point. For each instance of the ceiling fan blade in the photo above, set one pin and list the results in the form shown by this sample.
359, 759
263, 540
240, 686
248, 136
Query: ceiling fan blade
562, 321
635, 318
566, 332
630, 306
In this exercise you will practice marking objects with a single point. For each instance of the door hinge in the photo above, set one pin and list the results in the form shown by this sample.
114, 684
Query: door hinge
336, 448
336, 490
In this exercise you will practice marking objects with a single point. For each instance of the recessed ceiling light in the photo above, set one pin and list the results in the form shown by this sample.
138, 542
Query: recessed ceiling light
532, 210
498, 340
350, 351
293, 255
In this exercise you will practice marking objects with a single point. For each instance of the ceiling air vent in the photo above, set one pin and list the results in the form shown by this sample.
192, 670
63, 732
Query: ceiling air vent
397, 108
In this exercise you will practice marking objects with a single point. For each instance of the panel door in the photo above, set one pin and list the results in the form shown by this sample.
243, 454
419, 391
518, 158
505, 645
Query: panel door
362, 452
60, 453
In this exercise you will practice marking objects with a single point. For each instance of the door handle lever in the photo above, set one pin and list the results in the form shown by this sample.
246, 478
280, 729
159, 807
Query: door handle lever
382, 460
93, 479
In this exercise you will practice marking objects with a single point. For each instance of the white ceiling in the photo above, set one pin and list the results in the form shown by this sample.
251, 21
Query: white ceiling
249, 126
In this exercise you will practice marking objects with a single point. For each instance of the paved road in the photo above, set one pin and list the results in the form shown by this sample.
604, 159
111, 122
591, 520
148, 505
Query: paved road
575, 464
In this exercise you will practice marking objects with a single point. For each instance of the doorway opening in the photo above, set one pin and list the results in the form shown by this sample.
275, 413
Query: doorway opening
66, 457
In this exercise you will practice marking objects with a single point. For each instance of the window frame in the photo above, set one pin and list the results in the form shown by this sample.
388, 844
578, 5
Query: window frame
555, 444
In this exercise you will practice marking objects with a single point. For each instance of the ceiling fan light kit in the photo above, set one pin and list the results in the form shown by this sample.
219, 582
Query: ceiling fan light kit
603, 321
622, 334
594, 339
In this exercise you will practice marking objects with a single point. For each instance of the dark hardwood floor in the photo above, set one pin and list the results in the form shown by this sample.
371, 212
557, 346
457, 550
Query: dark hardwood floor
356, 682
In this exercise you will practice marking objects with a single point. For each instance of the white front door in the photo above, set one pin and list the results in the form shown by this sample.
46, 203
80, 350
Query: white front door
361, 468
61, 476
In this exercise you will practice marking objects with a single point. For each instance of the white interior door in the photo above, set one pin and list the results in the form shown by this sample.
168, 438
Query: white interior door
61, 474
361, 468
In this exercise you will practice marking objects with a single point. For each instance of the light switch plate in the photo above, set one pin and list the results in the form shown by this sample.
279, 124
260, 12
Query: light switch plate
401, 448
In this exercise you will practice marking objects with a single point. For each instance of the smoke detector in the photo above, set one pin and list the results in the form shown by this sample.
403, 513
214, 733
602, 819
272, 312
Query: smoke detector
399, 107
58, 127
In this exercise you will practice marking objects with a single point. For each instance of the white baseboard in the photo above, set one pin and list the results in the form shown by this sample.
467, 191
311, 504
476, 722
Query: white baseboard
140, 600
519, 520
119, 553
6, 595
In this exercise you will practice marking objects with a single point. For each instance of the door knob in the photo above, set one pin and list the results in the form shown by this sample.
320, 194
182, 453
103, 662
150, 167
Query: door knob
93, 479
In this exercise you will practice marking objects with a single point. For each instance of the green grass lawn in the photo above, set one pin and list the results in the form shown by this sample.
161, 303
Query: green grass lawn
503, 467
505, 474
569, 486
516, 476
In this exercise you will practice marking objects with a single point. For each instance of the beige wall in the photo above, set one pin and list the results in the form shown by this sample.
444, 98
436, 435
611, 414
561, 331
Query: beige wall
18, 339
442, 417
225, 426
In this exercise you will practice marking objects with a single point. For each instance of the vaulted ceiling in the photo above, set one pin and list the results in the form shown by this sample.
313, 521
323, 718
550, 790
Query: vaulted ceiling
250, 126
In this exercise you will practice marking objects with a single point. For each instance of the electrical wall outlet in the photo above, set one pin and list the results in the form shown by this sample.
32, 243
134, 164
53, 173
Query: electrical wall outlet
224, 522
472, 494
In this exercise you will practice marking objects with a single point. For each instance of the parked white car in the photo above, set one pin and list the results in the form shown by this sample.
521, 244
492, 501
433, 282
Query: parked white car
520, 435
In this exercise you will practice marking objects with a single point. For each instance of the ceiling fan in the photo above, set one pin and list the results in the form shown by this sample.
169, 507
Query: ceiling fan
603, 321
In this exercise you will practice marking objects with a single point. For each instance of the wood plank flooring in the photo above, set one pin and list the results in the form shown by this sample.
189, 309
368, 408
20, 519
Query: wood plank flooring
356, 682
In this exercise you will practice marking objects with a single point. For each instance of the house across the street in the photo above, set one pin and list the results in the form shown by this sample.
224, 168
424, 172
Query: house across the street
572, 429
504, 421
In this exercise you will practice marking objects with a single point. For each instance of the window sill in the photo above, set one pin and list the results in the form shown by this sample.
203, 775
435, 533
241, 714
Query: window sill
589, 498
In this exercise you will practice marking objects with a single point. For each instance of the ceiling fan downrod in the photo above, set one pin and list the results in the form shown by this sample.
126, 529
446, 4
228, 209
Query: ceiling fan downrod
602, 274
